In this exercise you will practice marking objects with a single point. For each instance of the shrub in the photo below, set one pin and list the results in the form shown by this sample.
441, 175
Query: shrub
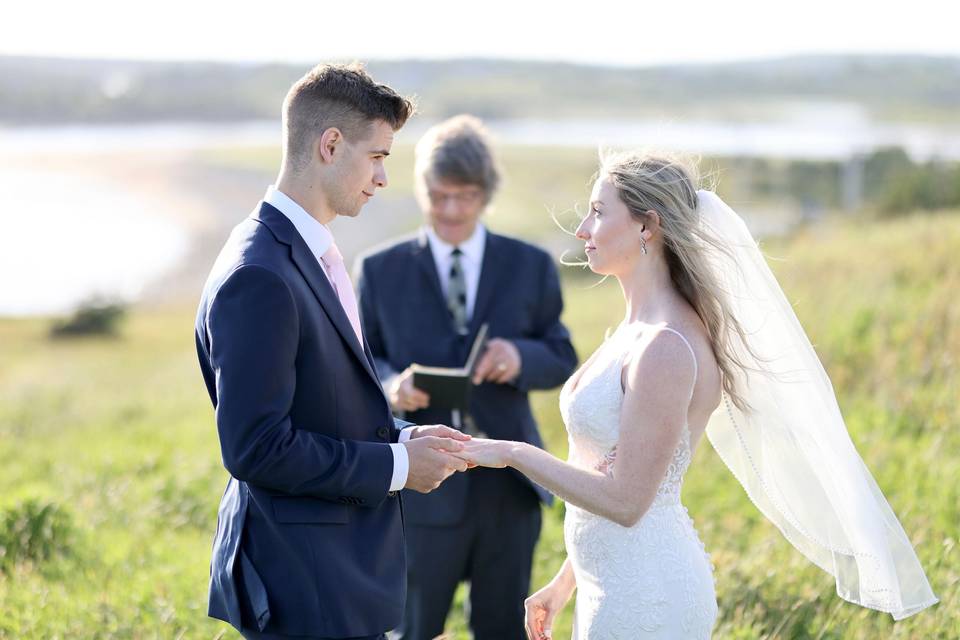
34, 531
94, 317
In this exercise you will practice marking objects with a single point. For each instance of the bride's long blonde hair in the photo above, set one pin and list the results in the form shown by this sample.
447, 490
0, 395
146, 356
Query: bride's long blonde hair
668, 185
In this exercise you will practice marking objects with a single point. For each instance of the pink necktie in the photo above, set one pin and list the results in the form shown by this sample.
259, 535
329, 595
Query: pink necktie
333, 261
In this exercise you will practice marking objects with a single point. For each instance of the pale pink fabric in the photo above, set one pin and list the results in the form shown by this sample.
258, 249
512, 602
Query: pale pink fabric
333, 262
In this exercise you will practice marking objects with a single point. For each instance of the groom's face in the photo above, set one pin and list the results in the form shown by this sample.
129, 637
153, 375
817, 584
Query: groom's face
358, 169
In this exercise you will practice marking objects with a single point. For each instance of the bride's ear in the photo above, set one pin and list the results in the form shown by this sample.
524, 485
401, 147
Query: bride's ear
650, 225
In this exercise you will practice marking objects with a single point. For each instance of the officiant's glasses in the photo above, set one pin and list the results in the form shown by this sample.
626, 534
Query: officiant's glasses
459, 198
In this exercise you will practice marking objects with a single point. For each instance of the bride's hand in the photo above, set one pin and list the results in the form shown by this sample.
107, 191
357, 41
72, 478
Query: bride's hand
541, 608
483, 452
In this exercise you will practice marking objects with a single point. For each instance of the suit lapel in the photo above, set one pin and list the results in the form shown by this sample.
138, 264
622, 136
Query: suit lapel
491, 272
313, 273
427, 266
372, 364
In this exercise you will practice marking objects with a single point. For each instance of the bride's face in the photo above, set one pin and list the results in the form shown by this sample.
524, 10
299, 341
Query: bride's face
610, 234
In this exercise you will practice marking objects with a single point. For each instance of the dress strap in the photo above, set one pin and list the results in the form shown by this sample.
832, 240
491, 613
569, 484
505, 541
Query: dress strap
696, 369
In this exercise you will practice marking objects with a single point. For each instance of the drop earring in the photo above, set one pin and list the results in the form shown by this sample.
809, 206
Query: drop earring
643, 246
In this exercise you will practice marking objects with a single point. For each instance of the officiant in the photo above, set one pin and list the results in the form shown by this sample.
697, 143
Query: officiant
422, 301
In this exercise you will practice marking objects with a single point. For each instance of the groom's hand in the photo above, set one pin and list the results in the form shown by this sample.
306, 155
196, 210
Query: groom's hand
432, 461
439, 431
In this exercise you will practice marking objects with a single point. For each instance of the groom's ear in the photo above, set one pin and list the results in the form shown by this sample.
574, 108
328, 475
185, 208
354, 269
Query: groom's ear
328, 144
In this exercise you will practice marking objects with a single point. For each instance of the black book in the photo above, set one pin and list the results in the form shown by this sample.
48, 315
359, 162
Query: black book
449, 387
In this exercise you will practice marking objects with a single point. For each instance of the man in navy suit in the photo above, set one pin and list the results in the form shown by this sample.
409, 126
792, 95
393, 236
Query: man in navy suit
422, 300
309, 540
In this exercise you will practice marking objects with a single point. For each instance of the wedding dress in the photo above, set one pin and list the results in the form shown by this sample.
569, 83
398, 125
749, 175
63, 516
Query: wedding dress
651, 580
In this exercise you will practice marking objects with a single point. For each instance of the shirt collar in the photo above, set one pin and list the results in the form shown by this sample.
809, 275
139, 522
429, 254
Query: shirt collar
472, 247
316, 235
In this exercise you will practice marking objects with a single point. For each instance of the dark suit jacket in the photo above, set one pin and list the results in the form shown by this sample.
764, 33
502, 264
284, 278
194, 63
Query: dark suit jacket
405, 319
308, 540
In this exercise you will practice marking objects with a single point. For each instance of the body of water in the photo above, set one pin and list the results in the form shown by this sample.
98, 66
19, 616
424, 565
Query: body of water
835, 133
67, 238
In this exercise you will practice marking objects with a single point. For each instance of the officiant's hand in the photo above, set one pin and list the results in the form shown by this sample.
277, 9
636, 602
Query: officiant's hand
500, 362
432, 460
403, 395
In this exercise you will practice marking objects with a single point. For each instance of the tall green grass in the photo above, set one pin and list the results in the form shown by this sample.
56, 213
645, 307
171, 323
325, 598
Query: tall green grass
110, 467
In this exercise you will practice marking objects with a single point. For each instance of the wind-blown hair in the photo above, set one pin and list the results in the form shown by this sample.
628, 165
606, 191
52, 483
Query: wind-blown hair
668, 185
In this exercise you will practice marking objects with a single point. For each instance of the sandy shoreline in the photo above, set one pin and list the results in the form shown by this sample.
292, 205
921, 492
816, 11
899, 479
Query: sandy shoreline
204, 199
169, 185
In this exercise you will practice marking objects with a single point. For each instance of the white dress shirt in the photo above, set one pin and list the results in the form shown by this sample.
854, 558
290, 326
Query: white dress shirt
318, 239
471, 261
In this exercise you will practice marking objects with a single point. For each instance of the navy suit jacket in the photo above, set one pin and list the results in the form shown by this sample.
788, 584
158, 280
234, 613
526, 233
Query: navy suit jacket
405, 319
308, 542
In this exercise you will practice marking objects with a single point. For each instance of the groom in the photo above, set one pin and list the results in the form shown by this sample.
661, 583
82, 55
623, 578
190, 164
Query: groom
309, 540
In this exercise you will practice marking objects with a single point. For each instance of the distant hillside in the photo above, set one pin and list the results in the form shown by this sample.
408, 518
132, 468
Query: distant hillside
40, 90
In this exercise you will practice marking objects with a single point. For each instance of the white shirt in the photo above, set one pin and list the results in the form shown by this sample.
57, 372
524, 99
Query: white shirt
318, 239
471, 261
316, 235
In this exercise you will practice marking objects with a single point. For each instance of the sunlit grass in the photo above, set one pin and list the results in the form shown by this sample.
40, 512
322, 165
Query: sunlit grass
118, 434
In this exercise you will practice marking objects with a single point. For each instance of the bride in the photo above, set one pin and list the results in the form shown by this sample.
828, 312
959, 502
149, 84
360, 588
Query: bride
708, 345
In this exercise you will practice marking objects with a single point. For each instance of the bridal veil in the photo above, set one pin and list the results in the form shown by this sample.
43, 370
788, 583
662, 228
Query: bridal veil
790, 448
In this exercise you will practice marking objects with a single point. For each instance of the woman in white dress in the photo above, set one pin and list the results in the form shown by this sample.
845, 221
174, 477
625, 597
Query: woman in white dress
706, 328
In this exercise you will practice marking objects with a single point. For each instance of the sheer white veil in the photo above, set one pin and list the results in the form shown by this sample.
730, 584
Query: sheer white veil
790, 450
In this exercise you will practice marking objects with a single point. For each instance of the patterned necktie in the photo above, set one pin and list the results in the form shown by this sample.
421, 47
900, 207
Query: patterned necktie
333, 262
457, 293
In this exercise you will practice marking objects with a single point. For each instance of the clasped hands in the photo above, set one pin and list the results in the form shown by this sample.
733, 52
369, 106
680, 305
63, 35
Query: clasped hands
435, 452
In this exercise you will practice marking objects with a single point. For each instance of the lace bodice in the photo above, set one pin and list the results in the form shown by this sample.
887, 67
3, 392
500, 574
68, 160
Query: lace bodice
590, 405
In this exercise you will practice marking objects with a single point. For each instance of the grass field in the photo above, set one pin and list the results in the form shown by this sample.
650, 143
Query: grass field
111, 474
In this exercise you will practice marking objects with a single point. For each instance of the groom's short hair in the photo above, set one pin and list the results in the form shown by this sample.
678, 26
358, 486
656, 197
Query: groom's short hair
337, 95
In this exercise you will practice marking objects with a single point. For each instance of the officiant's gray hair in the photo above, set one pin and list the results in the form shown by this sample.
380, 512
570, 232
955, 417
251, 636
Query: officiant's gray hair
668, 185
336, 95
457, 150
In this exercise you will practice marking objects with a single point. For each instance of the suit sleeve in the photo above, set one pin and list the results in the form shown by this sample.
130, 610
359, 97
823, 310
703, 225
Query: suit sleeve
398, 427
254, 337
547, 356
